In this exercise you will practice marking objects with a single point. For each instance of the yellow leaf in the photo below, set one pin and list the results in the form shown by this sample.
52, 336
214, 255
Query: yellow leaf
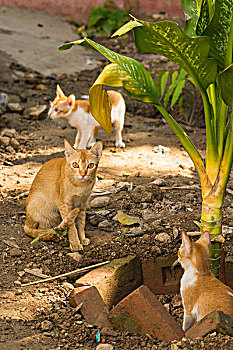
127, 219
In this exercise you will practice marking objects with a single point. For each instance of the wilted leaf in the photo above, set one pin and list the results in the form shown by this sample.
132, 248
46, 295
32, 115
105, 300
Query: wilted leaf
127, 219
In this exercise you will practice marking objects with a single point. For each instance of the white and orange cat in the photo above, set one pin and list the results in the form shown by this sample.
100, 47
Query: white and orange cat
201, 291
59, 194
79, 116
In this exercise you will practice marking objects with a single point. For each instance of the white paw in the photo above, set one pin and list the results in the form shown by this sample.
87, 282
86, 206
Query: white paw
120, 144
86, 241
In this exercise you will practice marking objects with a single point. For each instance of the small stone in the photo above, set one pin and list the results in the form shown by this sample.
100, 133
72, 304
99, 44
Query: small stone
103, 212
136, 231
158, 182
15, 107
100, 202
148, 215
15, 252
9, 132
19, 292
40, 87
146, 238
18, 283
104, 347
68, 286
104, 223
21, 273
36, 112
163, 238
46, 325
75, 256
4, 141
109, 332
14, 143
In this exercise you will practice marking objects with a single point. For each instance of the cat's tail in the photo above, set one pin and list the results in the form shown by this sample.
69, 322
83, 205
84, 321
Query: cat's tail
51, 234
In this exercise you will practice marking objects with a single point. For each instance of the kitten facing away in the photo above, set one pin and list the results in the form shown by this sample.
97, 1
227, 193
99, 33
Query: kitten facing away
79, 116
201, 291
59, 194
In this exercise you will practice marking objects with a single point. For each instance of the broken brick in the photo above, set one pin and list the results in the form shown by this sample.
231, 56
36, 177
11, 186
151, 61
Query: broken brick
141, 312
216, 321
160, 277
93, 308
115, 280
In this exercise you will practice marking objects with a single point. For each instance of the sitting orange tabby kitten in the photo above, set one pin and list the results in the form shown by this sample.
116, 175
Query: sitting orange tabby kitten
61, 185
79, 116
201, 291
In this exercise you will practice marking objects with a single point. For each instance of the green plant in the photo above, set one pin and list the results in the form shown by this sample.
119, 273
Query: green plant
107, 19
205, 53
62, 234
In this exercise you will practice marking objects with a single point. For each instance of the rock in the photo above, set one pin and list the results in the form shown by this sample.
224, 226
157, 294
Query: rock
21, 273
104, 223
142, 313
46, 325
109, 332
41, 87
37, 112
14, 143
115, 280
104, 347
103, 212
15, 107
3, 102
158, 182
68, 286
163, 237
149, 215
216, 321
147, 193
75, 256
9, 132
136, 231
93, 308
4, 141
99, 202
15, 252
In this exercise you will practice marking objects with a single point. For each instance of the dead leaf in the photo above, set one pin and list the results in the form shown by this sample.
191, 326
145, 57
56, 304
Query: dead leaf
127, 219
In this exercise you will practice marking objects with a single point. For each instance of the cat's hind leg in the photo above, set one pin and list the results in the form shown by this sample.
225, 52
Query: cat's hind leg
77, 139
188, 322
118, 132
94, 134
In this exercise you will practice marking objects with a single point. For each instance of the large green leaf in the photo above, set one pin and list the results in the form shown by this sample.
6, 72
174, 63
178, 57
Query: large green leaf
220, 31
226, 84
125, 72
190, 8
166, 38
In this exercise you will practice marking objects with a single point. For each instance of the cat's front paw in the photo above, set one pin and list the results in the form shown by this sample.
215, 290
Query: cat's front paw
120, 144
75, 247
86, 241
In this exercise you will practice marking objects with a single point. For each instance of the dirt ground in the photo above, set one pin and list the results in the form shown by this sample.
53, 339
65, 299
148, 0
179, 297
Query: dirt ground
161, 188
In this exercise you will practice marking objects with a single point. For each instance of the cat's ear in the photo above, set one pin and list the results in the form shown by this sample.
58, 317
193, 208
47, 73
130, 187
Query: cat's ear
69, 150
186, 243
204, 239
97, 149
71, 100
60, 93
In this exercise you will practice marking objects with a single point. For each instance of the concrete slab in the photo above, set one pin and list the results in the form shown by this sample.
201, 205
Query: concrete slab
33, 37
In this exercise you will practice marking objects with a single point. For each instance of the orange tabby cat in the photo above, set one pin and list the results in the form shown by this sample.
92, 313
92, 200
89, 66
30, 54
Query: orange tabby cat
60, 191
79, 116
201, 291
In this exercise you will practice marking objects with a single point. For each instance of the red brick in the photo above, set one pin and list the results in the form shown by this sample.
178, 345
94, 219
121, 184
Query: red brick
93, 308
216, 321
141, 312
115, 280
159, 277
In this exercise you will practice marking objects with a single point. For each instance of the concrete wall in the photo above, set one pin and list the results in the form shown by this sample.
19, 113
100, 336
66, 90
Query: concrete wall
79, 9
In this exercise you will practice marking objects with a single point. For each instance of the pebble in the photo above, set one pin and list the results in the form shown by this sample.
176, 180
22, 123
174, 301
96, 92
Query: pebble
15, 252
163, 237
148, 215
136, 231
4, 141
109, 332
75, 256
104, 347
15, 107
104, 223
14, 143
46, 325
100, 202
35, 112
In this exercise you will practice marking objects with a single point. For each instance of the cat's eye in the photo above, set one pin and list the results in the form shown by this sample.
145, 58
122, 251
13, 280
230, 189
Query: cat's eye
75, 165
91, 165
